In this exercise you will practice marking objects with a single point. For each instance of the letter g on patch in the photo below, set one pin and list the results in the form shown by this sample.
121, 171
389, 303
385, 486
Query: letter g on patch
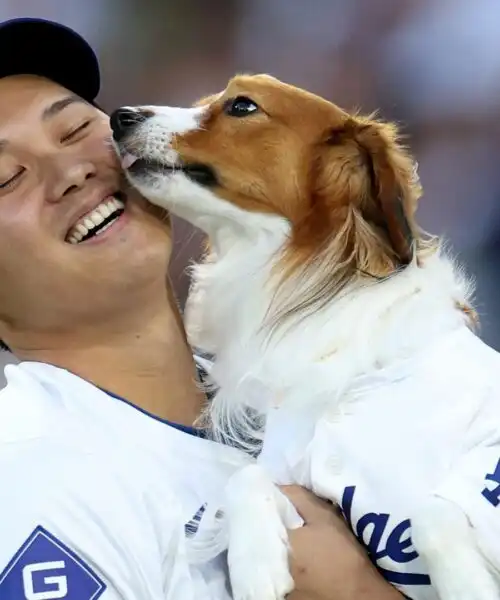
44, 568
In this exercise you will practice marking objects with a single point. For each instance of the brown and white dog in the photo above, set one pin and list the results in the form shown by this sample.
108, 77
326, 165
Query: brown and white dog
336, 323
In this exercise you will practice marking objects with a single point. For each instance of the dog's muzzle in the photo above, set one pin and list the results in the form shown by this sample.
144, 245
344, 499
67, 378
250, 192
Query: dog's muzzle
123, 121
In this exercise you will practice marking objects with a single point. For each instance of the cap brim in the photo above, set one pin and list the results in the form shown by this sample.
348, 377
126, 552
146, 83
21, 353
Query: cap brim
50, 50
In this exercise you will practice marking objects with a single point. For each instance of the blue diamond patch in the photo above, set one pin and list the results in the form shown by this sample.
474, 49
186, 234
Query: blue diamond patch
46, 569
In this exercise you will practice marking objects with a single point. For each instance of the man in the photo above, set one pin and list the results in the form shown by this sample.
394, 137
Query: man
104, 480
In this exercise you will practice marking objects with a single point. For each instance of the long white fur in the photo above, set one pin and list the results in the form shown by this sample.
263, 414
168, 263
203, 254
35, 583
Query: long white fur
371, 326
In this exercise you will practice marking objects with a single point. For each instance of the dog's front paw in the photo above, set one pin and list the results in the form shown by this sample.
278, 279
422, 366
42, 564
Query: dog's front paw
258, 518
261, 577
444, 537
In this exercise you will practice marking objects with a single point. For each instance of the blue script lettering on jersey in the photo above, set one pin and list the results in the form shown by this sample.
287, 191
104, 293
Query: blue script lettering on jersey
44, 567
192, 526
398, 546
493, 494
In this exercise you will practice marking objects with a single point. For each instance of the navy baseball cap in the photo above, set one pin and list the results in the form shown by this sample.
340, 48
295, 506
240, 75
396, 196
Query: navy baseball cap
51, 50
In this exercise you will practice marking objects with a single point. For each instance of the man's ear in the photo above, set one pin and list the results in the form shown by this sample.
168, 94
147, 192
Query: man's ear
392, 188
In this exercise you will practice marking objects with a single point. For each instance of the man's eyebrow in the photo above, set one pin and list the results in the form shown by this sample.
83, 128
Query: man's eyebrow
59, 105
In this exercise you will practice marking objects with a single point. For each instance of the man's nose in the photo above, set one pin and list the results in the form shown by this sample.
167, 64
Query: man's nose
72, 178
124, 120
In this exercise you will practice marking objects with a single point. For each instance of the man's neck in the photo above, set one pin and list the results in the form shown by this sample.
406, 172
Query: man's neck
152, 367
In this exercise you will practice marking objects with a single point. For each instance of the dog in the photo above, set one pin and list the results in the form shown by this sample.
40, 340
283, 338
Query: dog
347, 356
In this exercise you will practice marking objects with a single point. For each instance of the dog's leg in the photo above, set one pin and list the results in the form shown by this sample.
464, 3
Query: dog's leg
442, 535
258, 517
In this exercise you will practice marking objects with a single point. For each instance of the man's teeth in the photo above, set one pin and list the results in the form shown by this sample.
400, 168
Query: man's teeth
101, 213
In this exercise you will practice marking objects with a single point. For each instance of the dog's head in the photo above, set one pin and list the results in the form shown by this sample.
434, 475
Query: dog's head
263, 152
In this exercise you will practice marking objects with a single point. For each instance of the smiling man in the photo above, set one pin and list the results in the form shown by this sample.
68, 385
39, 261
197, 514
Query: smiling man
104, 479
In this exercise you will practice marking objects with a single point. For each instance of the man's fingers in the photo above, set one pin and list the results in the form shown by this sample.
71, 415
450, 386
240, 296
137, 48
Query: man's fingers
311, 508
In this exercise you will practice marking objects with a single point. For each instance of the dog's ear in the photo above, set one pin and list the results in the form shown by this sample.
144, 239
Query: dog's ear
380, 178
359, 220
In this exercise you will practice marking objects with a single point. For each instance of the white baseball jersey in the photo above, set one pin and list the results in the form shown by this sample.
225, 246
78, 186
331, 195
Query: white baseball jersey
431, 425
97, 497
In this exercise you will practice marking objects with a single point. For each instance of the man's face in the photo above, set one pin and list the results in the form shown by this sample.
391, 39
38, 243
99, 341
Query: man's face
57, 168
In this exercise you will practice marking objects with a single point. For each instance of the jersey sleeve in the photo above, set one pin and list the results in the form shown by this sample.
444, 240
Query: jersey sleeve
70, 530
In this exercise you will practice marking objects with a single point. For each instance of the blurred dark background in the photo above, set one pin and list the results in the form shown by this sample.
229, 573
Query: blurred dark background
433, 65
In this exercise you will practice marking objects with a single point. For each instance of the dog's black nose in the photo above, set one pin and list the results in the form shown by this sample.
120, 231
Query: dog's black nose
123, 120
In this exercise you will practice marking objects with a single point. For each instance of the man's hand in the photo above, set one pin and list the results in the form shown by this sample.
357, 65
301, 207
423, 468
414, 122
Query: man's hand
327, 561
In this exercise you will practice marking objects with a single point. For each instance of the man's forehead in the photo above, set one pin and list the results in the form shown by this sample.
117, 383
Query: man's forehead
25, 84
26, 93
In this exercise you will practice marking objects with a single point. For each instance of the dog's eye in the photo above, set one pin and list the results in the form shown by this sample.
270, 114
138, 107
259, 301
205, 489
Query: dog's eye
240, 107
